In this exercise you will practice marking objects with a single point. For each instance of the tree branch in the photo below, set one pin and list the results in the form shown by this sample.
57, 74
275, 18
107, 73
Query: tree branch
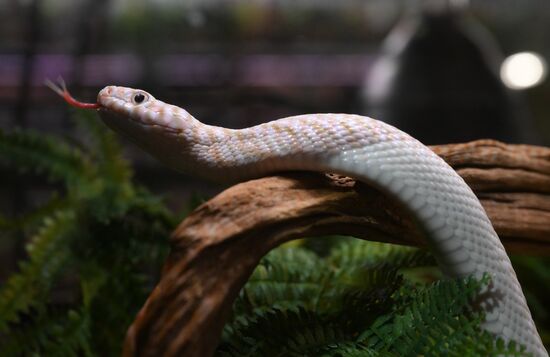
216, 248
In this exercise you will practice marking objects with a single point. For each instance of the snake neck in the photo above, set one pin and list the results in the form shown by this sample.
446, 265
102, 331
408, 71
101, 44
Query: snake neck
171, 135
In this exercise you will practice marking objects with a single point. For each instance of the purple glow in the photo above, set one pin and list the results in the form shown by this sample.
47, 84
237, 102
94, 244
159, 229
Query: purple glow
186, 70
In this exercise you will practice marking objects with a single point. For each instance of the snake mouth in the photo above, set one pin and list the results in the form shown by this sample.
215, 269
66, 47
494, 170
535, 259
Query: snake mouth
121, 115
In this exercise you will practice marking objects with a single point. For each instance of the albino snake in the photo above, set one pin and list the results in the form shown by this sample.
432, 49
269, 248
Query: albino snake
459, 232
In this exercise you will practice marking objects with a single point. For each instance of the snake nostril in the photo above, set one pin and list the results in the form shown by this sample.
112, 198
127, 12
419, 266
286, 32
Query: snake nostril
104, 94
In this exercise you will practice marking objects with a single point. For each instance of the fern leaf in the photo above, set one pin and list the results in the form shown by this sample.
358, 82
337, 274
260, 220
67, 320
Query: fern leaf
50, 334
38, 153
434, 320
285, 278
106, 148
354, 252
277, 332
48, 252
295, 282
28, 221
122, 232
348, 349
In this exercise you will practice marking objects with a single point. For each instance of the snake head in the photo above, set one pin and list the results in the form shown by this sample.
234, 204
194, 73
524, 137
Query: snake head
128, 110
124, 101
128, 107
150, 123
165, 131
160, 129
132, 104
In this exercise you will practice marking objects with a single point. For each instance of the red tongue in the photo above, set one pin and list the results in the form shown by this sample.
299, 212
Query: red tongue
61, 89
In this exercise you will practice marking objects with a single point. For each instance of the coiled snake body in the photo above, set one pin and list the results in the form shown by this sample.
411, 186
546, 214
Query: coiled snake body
459, 232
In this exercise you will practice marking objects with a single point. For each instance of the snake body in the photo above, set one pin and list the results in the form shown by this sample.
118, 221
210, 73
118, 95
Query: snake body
459, 232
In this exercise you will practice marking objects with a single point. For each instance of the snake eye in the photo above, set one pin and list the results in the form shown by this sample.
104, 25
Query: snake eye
139, 98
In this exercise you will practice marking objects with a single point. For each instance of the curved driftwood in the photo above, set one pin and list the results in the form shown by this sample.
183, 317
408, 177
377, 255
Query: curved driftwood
216, 248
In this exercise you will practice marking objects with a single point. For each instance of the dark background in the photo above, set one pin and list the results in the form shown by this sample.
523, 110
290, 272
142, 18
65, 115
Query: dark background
240, 63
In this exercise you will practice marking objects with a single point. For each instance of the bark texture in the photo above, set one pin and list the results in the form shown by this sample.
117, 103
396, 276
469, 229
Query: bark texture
216, 248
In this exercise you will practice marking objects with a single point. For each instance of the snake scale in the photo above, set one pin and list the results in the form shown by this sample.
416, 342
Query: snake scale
458, 230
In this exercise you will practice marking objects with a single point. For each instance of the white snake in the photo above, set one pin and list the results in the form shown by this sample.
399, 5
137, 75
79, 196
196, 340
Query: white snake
459, 232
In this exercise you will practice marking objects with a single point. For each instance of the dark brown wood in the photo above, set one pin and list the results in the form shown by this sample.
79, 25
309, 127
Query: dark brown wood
216, 248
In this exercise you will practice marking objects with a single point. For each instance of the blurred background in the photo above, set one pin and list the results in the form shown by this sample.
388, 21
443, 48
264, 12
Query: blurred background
444, 71
432, 68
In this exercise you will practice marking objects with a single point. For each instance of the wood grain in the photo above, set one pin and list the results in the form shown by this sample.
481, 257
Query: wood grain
215, 249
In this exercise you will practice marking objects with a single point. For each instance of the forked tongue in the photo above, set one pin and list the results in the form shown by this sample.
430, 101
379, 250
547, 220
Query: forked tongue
61, 89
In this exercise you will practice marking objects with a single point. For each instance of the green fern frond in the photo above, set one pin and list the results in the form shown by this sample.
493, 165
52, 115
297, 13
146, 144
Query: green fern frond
28, 151
361, 309
295, 281
531, 271
434, 320
128, 286
29, 221
153, 207
104, 229
356, 301
106, 149
417, 306
71, 336
48, 253
284, 333
50, 334
348, 349
354, 252
285, 278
